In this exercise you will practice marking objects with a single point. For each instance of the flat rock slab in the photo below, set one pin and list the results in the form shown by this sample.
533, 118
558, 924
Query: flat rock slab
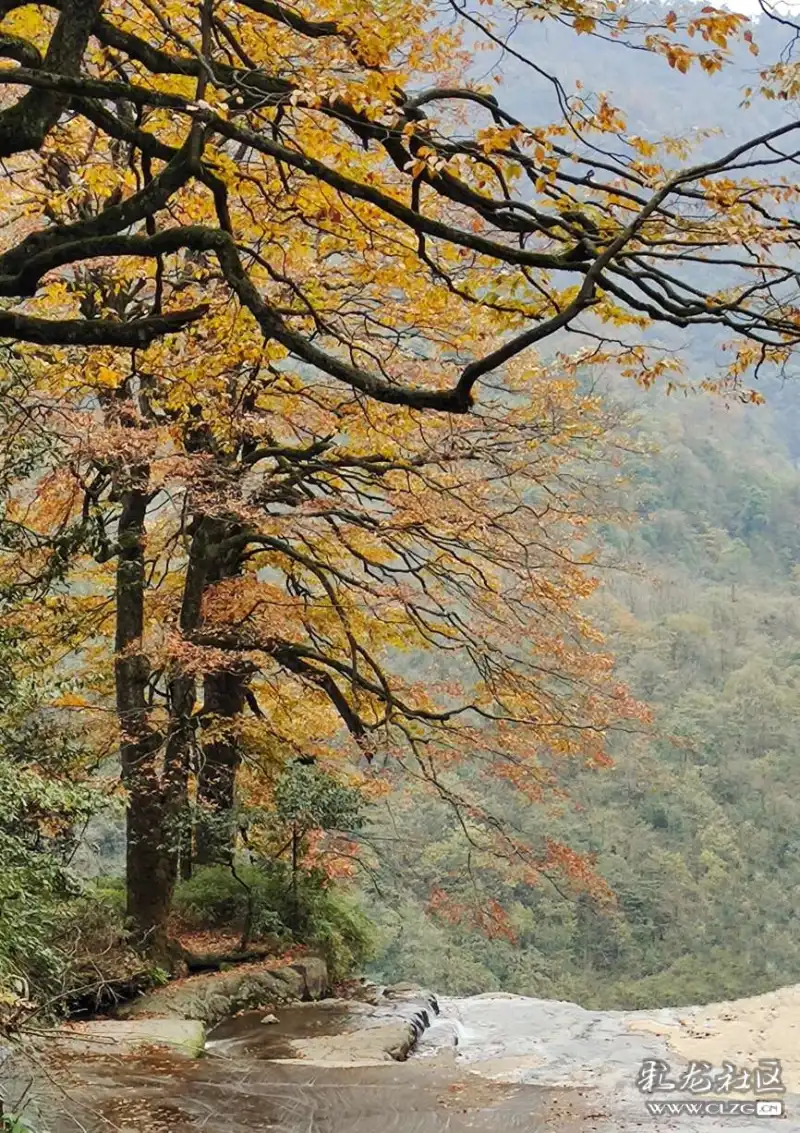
387, 1042
124, 1036
333, 1032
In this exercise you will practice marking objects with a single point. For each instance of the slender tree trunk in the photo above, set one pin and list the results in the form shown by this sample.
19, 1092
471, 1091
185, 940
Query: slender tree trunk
150, 859
182, 692
177, 761
223, 702
295, 868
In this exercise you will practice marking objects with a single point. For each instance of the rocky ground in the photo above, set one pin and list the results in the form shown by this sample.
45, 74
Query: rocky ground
743, 1031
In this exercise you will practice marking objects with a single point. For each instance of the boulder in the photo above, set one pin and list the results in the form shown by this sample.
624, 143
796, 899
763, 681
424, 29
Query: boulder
314, 971
388, 1042
214, 996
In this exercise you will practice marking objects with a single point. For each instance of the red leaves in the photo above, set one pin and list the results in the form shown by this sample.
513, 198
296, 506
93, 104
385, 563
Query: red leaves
488, 917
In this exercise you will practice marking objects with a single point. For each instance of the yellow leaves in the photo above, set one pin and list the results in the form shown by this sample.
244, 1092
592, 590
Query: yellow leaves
102, 179
31, 22
714, 25
425, 159
584, 24
678, 58
710, 63
404, 531
104, 376
607, 118
647, 149
71, 700
717, 25
495, 139
781, 81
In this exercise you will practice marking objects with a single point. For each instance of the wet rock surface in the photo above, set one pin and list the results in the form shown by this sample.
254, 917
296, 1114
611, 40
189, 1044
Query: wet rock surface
336, 1032
492, 1064
124, 1036
547, 1043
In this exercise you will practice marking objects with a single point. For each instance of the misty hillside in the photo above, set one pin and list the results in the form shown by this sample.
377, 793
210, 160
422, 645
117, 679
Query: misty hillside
658, 100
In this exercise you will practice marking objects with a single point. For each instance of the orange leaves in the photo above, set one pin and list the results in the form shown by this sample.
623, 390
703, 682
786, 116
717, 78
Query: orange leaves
460, 900
576, 867
680, 58
608, 118
390, 583
753, 46
642, 146
718, 25
263, 608
72, 700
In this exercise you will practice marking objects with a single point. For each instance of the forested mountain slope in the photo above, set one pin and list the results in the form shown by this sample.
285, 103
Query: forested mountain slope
697, 827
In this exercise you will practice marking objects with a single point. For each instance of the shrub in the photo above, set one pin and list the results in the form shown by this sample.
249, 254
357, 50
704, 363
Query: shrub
45, 797
340, 930
13, 1123
217, 898
262, 900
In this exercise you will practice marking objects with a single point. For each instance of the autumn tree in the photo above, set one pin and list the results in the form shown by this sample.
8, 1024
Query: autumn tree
46, 796
276, 276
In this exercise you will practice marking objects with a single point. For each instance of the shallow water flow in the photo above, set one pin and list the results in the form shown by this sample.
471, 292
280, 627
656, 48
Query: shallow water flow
248, 1081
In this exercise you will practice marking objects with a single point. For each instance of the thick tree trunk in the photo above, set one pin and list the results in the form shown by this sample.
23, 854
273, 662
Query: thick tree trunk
150, 856
223, 702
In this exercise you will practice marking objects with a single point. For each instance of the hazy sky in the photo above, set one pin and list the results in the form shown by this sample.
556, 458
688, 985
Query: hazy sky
752, 8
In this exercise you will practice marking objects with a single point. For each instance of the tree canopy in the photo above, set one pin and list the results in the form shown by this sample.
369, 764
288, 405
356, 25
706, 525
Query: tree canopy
340, 176
273, 278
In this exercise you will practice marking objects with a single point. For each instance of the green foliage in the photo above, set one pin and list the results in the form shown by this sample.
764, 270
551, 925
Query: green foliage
216, 897
13, 1123
330, 921
312, 799
42, 806
335, 924
281, 896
